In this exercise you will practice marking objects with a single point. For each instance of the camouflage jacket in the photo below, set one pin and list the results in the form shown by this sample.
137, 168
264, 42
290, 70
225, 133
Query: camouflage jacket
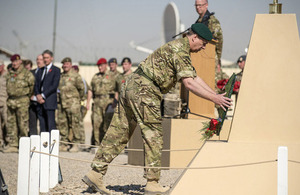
115, 74
3, 93
120, 80
168, 64
215, 27
239, 76
103, 84
71, 89
19, 86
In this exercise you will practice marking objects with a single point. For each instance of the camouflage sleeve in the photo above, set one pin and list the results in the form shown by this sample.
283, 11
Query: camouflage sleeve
93, 84
215, 26
80, 86
30, 80
183, 65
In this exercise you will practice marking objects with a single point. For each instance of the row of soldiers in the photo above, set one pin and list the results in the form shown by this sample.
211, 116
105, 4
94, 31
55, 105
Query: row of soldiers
18, 104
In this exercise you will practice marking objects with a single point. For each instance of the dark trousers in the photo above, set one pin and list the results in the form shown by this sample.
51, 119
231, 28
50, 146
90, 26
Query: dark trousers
46, 118
33, 116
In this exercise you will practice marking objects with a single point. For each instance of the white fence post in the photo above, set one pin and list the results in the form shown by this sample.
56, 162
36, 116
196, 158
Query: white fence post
34, 170
23, 166
282, 171
44, 173
54, 149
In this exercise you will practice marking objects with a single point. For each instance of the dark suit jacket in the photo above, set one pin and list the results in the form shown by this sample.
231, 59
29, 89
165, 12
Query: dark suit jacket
50, 85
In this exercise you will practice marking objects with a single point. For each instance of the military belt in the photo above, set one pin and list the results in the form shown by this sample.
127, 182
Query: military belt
105, 96
17, 97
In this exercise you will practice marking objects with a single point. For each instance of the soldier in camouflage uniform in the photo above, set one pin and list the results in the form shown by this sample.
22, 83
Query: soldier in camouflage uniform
126, 65
140, 101
71, 93
83, 107
19, 85
103, 89
112, 63
3, 107
207, 18
241, 62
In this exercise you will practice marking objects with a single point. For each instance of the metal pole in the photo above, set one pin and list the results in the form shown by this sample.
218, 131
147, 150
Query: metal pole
54, 28
282, 172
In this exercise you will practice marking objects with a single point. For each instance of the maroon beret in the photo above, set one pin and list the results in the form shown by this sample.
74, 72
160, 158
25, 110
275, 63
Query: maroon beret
15, 57
101, 61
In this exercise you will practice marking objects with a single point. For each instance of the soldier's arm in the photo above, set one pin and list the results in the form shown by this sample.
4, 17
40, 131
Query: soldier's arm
31, 82
218, 35
80, 87
201, 90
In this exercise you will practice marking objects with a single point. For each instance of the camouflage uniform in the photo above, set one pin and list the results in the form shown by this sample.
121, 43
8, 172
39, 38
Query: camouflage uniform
215, 27
239, 76
83, 110
3, 108
71, 90
139, 103
120, 80
103, 87
19, 86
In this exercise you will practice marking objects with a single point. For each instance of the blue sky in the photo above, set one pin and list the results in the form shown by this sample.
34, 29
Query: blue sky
90, 29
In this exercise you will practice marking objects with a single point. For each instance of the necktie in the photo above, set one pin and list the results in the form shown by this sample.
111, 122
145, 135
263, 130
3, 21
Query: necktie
43, 77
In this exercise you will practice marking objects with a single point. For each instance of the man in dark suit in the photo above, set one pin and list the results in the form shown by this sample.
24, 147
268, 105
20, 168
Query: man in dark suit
45, 89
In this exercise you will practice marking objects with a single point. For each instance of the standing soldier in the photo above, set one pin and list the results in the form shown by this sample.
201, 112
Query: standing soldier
19, 85
207, 18
3, 107
121, 78
103, 89
126, 65
83, 107
71, 92
112, 63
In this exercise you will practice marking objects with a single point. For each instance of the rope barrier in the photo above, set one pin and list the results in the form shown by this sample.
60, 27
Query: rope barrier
147, 167
294, 161
136, 150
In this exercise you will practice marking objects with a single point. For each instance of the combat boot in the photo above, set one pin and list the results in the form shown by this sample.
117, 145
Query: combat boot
95, 181
10, 149
74, 148
154, 188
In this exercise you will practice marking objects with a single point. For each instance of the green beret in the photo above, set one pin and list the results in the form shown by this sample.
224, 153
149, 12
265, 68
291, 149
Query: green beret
67, 59
202, 31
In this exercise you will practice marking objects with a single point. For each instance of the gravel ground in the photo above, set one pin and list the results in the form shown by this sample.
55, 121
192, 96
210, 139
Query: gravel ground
119, 180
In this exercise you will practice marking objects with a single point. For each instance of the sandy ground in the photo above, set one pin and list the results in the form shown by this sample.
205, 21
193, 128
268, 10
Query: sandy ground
119, 180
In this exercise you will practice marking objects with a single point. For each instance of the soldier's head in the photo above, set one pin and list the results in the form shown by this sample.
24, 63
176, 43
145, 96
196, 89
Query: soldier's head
48, 57
16, 61
102, 65
241, 61
1, 66
198, 36
67, 64
40, 61
201, 7
126, 64
27, 64
75, 68
113, 64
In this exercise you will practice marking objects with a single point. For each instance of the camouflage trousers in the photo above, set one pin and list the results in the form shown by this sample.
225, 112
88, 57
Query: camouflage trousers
68, 123
3, 122
139, 103
17, 124
99, 118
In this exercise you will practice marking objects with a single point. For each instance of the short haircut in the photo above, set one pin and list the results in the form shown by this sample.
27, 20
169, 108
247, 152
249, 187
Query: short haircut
25, 62
48, 52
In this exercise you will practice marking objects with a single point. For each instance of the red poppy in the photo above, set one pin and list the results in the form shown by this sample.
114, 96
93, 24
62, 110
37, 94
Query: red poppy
15, 75
213, 124
123, 81
106, 76
50, 70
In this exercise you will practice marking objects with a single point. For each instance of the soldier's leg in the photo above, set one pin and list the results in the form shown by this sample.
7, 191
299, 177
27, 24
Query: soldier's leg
62, 124
97, 120
1, 127
23, 121
102, 116
75, 117
116, 137
12, 131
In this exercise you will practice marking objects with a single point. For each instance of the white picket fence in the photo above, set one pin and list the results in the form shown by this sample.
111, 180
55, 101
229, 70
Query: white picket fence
38, 172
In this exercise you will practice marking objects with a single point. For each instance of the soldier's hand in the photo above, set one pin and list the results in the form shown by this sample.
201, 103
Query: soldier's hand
222, 101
